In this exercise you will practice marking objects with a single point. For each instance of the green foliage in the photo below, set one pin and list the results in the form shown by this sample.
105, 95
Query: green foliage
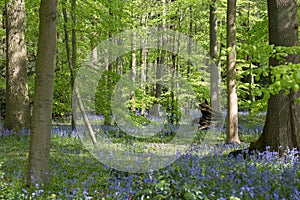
31, 34
104, 92
98, 20
274, 79
2, 83
144, 99
285, 77
62, 93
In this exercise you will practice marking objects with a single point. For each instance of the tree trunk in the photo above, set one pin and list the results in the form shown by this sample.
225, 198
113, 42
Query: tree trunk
73, 60
3, 41
282, 125
143, 72
217, 118
232, 100
17, 101
133, 68
143, 61
188, 64
71, 55
39, 152
160, 68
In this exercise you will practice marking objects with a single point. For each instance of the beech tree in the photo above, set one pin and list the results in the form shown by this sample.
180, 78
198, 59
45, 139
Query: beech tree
282, 125
214, 71
232, 100
39, 152
71, 53
160, 65
17, 100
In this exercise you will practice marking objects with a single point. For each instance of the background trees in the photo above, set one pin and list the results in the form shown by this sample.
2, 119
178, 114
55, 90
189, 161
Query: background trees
186, 16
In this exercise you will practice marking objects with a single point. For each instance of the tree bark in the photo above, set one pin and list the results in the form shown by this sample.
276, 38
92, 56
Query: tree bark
133, 68
3, 41
217, 118
39, 152
143, 60
282, 125
73, 60
232, 99
160, 68
71, 54
17, 100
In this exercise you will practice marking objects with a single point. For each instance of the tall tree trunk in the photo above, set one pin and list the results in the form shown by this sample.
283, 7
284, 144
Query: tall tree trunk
39, 152
250, 76
214, 71
17, 100
71, 54
109, 68
73, 60
3, 43
143, 60
143, 71
188, 64
282, 125
232, 100
160, 66
133, 68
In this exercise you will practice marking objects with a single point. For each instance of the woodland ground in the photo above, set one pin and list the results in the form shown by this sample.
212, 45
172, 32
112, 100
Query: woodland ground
75, 174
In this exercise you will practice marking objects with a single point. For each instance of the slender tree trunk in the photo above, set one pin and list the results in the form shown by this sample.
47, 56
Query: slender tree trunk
67, 43
143, 60
73, 61
71, 55
17, 101
282, 125
232, 99
144, 54
106, 107
133, 68
160, 66
188, 68
3, 40
119, 62
250, 76
109, 82
39, 152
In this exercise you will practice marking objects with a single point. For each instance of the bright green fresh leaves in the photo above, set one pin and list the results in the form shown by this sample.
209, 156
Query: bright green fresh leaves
285, 77
98, 20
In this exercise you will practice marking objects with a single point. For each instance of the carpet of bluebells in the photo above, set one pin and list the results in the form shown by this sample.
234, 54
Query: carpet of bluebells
75, 174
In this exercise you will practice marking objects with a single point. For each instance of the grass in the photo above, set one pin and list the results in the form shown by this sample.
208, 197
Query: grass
75, 174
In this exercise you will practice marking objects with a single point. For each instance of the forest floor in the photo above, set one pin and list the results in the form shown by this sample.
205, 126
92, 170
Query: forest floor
76, 174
